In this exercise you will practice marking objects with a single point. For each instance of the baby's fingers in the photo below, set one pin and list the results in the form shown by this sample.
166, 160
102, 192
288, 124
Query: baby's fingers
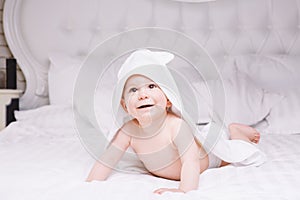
162, 190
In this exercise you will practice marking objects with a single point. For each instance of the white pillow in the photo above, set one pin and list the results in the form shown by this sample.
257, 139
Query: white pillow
284, 118
103, 99
273, 73
49, 117
62, 75
244, 102
279, 74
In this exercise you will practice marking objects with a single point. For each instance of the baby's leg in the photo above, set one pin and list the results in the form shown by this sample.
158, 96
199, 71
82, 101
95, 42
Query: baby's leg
243, 132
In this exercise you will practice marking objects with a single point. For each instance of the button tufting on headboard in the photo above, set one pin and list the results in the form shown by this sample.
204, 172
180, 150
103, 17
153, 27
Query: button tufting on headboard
35, 28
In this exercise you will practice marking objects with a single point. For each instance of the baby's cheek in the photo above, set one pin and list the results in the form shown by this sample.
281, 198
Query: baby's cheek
129, 102
130, 109
163, 101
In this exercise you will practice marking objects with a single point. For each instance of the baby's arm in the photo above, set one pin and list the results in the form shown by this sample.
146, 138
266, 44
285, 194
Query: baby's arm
190, 169
189, 156
110, 158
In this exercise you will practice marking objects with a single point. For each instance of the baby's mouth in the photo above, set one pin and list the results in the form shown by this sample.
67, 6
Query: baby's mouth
145, 106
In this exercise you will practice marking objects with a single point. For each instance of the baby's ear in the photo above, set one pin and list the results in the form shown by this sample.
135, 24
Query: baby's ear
123, 104
169, 103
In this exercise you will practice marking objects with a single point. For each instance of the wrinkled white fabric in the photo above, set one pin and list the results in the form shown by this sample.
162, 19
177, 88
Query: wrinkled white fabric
237, 152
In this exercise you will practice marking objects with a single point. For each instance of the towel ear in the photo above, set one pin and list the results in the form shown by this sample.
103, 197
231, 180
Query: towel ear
143, 57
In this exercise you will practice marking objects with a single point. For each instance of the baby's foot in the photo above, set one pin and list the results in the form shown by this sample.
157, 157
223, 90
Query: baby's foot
244, 132
253, 135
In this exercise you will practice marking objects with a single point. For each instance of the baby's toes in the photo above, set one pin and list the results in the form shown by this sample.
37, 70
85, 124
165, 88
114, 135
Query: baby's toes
256, 137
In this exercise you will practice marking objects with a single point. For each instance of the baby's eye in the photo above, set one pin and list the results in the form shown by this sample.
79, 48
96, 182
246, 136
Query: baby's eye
133, 90
151, 86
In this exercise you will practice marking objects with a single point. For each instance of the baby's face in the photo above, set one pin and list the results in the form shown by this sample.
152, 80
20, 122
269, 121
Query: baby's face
143, 98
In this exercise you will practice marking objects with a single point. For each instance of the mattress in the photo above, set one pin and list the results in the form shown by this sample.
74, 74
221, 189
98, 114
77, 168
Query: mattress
41, 155
40, 159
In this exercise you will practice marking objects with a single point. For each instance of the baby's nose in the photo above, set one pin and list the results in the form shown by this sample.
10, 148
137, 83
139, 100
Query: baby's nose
143, 94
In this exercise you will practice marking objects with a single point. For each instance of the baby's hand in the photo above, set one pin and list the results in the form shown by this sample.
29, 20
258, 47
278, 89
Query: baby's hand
162, 190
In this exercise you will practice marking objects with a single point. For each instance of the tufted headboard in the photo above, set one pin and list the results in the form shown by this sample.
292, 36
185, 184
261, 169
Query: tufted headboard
36, 28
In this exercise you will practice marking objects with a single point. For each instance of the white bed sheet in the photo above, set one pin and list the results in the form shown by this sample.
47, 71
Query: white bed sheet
37, 163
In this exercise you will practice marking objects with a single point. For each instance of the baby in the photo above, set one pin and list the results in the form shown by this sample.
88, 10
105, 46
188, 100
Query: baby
162, 140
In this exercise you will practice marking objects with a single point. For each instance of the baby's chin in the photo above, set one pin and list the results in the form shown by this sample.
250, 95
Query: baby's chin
147, 118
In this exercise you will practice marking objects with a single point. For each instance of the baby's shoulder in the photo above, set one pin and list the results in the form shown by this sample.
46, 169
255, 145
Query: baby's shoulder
178, 124
175, 120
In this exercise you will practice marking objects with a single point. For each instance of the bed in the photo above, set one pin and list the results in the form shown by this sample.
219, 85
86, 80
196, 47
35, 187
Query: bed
254, 59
